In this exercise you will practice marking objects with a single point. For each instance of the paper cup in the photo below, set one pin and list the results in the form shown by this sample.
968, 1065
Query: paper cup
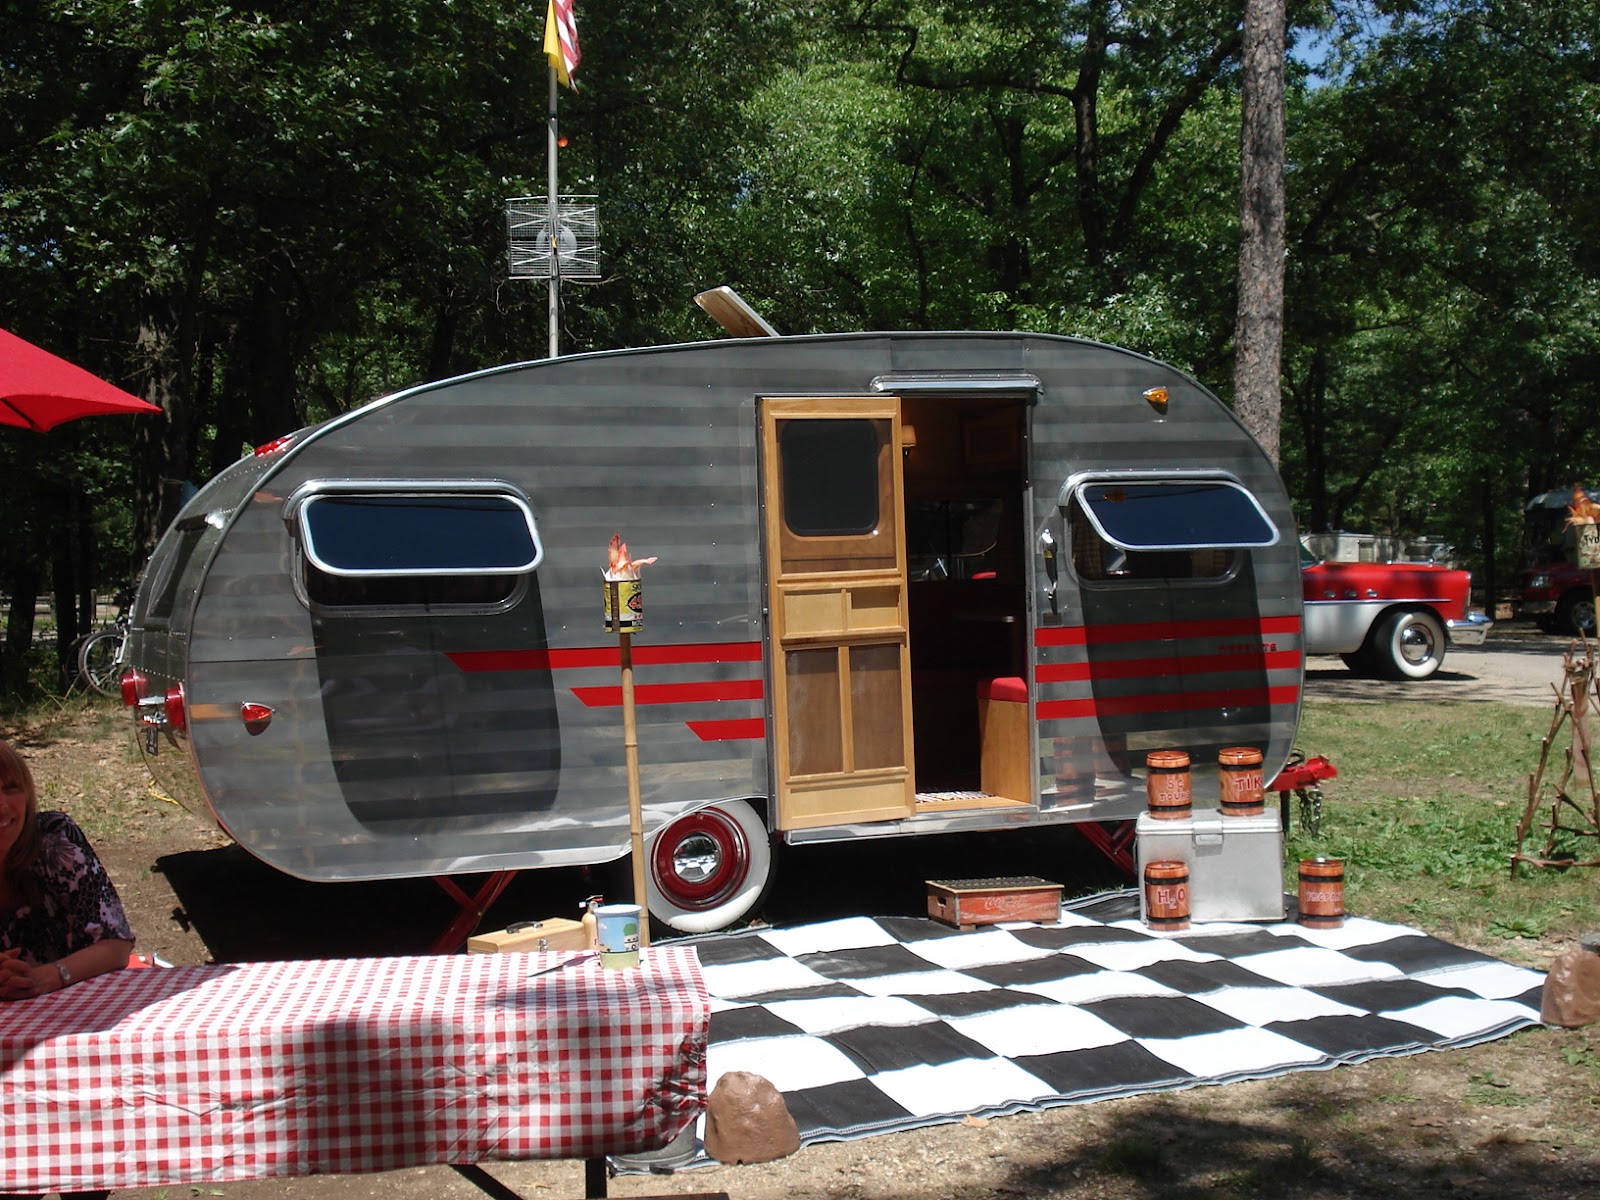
619, 934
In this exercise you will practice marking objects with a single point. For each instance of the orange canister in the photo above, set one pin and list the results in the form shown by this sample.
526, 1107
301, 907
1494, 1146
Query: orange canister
1239, 780
1322, 893
1166, 894
1167, 787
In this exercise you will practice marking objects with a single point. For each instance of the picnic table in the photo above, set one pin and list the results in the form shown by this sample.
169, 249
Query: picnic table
177, 1075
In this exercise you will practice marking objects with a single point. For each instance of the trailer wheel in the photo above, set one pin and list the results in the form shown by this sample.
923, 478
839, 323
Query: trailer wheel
709, 868
1408, 645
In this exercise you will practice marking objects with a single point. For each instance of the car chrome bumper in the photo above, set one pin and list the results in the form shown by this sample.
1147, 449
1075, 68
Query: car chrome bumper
1535, 607
1471, 632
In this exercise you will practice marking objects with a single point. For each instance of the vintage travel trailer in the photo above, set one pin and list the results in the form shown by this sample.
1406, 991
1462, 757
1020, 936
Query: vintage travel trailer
907, 583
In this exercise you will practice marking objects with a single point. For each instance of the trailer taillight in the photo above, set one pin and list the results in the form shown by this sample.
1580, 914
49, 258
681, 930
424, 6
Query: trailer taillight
177, 714
274, 446
256, 717
132, 684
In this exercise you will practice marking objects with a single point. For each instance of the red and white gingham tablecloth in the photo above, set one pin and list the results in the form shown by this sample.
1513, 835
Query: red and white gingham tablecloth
186, 1074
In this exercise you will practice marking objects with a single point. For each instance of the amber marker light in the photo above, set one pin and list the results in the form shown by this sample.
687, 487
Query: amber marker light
1157, 396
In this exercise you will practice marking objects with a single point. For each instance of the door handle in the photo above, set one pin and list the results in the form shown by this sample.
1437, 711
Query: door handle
1047, 550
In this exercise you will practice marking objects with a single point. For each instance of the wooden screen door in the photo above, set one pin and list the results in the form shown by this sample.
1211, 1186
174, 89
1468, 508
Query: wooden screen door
836, 589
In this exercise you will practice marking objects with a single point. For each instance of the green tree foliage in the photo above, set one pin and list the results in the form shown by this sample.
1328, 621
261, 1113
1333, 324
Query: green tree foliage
1441, 351
262, 215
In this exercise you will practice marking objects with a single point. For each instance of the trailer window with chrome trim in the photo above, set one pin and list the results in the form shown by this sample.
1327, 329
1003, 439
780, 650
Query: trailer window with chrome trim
1163, 529
463, 548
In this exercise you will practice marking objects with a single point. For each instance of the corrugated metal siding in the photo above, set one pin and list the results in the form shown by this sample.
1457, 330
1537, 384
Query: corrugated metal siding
463, 712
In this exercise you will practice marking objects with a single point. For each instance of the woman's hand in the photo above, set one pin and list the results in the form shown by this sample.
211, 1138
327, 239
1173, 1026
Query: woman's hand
18, 980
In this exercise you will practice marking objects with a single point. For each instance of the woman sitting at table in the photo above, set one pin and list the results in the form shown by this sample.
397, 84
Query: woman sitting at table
60, 917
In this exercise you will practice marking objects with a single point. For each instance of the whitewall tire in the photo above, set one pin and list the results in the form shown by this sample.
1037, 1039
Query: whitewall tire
708, 869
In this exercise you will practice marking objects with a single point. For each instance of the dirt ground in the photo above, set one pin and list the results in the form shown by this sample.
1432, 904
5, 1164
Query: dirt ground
1517, 1117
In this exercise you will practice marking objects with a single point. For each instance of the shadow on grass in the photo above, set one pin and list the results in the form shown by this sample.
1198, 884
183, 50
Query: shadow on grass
1171, 1148
247, 911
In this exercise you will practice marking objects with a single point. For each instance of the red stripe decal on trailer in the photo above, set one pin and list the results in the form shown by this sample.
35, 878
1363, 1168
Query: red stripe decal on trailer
1162, 631
738, 729
473, 661
672, 693
1123, 706
1166, 664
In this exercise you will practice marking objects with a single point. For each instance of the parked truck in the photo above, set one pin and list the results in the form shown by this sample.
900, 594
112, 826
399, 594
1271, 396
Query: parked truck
906, 583
1552, 590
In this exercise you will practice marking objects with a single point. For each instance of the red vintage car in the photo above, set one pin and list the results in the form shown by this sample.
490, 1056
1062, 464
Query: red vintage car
1392, 620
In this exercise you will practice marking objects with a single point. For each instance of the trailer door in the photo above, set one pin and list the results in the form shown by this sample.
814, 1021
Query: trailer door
836, 594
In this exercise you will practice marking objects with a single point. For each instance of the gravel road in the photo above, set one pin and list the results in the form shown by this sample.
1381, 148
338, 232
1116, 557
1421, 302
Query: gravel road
1517, 665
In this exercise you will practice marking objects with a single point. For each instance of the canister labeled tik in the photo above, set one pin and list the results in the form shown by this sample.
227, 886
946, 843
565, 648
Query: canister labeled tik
1168, 791
1166, 895
1321, 893
1239, 780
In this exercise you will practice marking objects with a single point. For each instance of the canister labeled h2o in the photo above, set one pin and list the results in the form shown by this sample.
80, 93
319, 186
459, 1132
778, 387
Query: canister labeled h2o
1166, 895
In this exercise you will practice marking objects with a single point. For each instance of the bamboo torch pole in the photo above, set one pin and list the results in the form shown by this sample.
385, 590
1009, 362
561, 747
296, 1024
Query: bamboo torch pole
630, 749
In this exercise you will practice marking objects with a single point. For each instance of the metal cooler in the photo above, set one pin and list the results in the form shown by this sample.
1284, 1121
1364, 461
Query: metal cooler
1235, 863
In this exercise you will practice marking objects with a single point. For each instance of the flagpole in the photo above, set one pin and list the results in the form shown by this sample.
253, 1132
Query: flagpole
555, 226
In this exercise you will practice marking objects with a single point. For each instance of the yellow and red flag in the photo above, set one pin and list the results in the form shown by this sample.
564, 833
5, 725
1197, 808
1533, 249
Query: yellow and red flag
561, 40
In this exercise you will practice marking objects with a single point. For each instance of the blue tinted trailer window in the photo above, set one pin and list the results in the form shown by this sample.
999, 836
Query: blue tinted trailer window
1163, 530
465, 551
389, 535
1178, 515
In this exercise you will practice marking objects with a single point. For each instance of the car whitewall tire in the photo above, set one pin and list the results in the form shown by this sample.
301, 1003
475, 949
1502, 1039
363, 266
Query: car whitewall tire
1408, 645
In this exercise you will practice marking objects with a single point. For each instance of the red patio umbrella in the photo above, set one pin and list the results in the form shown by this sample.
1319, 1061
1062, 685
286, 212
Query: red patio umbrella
39, 391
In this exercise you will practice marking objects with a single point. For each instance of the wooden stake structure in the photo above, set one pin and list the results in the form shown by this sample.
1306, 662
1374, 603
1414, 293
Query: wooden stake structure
1572, 820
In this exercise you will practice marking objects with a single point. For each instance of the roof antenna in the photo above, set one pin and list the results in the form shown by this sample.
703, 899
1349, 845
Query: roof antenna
728, 309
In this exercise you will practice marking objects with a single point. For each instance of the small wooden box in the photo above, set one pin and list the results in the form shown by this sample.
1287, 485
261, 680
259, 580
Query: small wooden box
968, 903
552, 933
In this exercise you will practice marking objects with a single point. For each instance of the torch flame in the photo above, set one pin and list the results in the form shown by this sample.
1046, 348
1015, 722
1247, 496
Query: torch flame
1582, 510
618, 564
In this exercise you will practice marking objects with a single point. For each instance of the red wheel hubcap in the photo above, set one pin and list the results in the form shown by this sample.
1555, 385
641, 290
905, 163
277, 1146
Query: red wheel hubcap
700, 859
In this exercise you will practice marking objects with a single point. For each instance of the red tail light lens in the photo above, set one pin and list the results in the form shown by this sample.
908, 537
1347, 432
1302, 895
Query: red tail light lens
256, 717
275, 446
132, 685
177, 713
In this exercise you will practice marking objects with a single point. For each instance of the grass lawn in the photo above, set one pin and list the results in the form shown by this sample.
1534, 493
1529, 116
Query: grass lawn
1425, 813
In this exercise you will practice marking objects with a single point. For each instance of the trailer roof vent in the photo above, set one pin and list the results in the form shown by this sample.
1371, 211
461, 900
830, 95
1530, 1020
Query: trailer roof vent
728, 309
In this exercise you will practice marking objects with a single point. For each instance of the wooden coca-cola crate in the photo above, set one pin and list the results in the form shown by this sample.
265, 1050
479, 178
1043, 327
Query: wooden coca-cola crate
968, 903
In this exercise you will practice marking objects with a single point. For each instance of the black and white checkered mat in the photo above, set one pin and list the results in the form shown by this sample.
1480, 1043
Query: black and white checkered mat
869, 1025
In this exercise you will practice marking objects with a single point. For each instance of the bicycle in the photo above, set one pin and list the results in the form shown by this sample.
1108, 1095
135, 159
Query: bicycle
100, 653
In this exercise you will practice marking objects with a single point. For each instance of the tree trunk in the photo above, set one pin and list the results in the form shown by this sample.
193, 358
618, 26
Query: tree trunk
159, 446
19, 629
1258, 324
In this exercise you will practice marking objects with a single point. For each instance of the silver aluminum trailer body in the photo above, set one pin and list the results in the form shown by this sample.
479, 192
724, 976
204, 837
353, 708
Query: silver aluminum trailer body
907, 583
